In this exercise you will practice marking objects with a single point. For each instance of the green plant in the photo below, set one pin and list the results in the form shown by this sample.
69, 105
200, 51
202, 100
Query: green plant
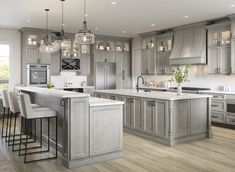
181, 74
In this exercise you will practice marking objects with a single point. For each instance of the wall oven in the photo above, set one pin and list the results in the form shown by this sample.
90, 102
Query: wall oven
38, 74
230, 109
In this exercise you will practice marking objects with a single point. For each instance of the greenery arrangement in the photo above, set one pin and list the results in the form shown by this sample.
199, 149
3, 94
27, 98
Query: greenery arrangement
181, 74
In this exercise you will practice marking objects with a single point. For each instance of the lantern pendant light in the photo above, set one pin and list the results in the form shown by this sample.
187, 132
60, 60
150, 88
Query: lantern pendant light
46, 46
84, 36
63, 42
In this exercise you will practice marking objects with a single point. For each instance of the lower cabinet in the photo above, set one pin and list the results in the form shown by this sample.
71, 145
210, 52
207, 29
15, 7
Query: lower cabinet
1, 108
155, 117
105, 129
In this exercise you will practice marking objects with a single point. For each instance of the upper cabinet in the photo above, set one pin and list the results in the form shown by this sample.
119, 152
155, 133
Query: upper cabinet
164, 47
219, 48
148, 58
105, 50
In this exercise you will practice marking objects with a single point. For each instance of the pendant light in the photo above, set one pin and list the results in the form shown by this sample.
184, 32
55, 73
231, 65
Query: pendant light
63, 43
84, 36
46, 46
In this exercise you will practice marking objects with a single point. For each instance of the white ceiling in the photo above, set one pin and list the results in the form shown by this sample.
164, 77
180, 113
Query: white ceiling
133, 16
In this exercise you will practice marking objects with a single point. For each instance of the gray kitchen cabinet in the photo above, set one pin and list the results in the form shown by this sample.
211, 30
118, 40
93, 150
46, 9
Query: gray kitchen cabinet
128, 110
164, 48
137, 121
105, 138
148, 59
105, 50
1, 108
219, 48
155, 117
85, 64
148, 64
219, 60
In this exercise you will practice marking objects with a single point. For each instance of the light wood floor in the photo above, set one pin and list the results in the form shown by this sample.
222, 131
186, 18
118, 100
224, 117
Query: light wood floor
140, 155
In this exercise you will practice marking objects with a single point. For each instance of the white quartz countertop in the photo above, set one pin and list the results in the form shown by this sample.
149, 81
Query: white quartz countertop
94, 101
53, 92
74, 87
218, 92
153, 95
154, 88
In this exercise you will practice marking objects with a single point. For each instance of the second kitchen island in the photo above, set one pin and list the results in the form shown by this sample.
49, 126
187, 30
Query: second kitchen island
164, 117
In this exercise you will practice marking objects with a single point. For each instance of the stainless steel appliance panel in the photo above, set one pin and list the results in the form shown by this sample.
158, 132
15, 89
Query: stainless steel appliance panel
38, 74
105, 75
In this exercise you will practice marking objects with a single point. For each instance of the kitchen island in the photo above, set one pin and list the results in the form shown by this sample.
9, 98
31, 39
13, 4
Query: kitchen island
164, 117
89, 129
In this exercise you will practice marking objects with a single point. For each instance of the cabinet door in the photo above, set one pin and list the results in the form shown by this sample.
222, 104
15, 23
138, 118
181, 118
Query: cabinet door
105, 129
225, 36
137, 115
160, 63
31, 55
126, 62
110, 56
45, 58
128, 110
85, 65
150, 116
151, 61
144, 62
213, 60
100, 56
213, 37
225, 59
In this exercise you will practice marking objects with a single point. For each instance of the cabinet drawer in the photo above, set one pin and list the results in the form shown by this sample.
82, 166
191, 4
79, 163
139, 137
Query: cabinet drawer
218, 97
218, 105
230, 120
217, 117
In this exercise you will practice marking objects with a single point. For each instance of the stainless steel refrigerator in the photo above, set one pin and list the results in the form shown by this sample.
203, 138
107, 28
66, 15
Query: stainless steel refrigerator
105, 75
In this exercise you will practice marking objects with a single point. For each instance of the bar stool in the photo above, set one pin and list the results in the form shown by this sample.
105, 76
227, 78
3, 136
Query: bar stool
15, 110
6, 107
28, 113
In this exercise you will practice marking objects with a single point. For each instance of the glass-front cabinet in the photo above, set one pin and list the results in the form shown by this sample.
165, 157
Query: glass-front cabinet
105, 50
122, 46
219, 34
164, 44
105, 45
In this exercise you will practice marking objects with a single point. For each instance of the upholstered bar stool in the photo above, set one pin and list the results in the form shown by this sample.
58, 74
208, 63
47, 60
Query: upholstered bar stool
6, 112
29, 113
15, 111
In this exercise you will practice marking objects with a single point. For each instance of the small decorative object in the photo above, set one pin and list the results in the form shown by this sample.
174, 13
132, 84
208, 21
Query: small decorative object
180, 75
49, 86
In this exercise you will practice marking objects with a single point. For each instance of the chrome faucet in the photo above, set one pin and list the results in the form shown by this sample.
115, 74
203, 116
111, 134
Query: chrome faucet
137, 85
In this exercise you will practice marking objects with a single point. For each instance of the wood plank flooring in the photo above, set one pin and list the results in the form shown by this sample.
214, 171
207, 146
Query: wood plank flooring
140, 155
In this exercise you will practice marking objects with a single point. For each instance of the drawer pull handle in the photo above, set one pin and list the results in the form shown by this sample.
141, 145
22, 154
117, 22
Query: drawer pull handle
232, 120
214, 105
213, 116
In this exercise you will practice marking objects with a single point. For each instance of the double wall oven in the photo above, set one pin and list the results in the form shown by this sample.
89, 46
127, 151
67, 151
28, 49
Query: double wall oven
38, 74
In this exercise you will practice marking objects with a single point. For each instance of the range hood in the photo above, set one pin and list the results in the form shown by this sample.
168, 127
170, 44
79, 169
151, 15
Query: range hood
189, 46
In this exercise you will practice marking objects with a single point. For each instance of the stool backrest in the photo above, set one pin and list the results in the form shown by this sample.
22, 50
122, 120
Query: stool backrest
25, 105
5, 100
13, 102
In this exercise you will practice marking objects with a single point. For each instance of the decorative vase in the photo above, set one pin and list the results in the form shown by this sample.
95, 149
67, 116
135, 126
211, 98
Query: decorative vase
179, 90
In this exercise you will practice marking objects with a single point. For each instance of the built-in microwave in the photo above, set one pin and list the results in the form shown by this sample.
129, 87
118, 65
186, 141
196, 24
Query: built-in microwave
38, 74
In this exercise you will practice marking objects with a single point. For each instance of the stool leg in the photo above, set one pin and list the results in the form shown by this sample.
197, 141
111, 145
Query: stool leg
41, 132
9, 130
4, 111
14, 133
48, 135
21, 133
56, 136
7, 124
26, 143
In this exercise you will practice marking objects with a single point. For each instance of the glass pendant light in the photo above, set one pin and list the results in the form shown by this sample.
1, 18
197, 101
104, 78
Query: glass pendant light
46, 46
63, 43
84, 36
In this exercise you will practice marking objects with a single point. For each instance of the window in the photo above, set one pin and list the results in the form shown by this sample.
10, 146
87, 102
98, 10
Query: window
4, 66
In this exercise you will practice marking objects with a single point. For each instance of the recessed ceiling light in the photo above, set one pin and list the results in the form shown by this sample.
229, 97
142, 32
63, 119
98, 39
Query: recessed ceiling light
232, 5
28, 20
124, 31
186, 17
96, 28
152, 24
114, 3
